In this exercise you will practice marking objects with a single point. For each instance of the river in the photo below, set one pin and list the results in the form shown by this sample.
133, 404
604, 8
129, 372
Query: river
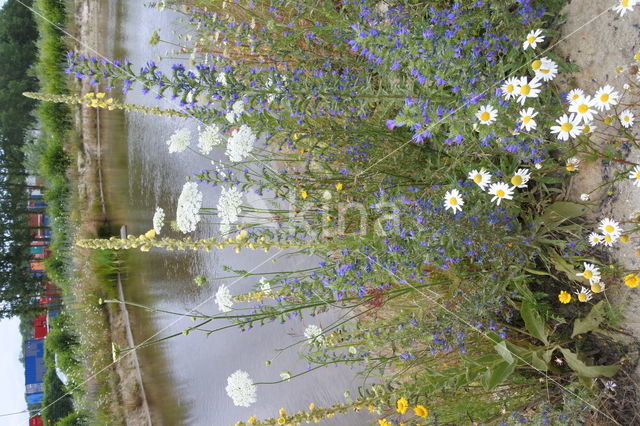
185, 377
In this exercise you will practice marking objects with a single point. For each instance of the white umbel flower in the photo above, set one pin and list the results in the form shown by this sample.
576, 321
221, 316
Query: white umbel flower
265, 286
626, 118
224, 300
158, 220
313, 333
487, 114
527, 89
241, 389
568, 127
532, 40
520, 178
179, 141
240, 143
584, 108
527, 121
606, 97
500, 191
508, 88
634, 175
453, 200
610, 227
221, 78
211, 136
591, 273
481, 178
237, 109
189, 204
229, 206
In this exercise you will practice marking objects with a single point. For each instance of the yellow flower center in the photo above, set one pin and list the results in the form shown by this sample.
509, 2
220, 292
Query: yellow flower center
575, 97
637, 56
453, 201
609, 228
607, 238
596, 239
625, 3
604, 97
526, 119
485, 116
536, 64
516, 180
588, 274
586, 129
545, 71
500, 193
525, 90
510, 88
626, 118
478, 178
638, 175
596, 288
582, 297
570, 167
583, 108
566, 127
608, 121
531, 39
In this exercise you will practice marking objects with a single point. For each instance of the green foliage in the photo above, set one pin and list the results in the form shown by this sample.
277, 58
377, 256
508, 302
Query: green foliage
56, 402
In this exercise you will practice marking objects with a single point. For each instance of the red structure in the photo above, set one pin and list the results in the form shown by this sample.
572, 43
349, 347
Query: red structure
40, 327
35, 421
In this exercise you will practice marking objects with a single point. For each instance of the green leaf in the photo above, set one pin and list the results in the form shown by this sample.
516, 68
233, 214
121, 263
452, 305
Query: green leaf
563, 210
533, 321
497, 374
586, 370
592, 321
504, 352
562, 265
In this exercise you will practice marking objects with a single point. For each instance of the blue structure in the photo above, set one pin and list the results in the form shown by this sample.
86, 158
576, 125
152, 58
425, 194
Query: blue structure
34, 367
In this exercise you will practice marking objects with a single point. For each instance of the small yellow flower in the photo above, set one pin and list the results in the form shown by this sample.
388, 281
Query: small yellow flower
631, 280
281, 420
151, 234
252, 420
282, 412
384, 422
421, 411
338, 187
402, 405
304, 194
564, 297
371, 408
328, 218
330, 414
312, 406
624, 238
637, 56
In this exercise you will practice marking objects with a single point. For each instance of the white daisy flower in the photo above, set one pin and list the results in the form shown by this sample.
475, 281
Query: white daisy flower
158, 220
527, 119
508, 88
574, 95
453, 200
500, 191
626, 118
584, 108
595, 239
572, 164
588, 128
584, 295
591, 273
313, 333
532, 40
625, 6
610, 227
224, 300
527, 89
487, 114
520, 178
179, 141
481, 178
609, 239
606, 97
189, 204
241, 389
568, 127
598, 287
545, 69
634, 175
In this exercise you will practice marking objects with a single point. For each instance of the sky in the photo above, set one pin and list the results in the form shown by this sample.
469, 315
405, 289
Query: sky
11, 373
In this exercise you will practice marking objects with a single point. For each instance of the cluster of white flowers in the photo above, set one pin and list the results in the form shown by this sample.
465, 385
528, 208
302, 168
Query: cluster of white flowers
265, 286
241, 389
240, 143
211, 136
224, 300
179, 141
237, 109
189, 204
158, 220
313, 333
229, 207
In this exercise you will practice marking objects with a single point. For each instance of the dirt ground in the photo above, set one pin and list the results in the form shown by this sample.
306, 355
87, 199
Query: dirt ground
598, 40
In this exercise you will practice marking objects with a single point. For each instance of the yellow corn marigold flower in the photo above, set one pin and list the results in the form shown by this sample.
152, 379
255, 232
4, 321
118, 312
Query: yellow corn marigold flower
421, 411
338, 187
564, 297
624, 238
631, 280
304, 194
252, 420
384, 422
402, 405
